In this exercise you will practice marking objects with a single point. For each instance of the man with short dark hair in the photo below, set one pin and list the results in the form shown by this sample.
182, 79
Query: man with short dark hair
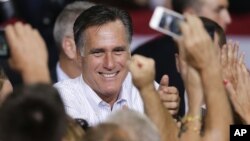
102, 36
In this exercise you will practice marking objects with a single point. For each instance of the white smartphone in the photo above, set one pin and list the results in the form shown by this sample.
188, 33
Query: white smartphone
166, 21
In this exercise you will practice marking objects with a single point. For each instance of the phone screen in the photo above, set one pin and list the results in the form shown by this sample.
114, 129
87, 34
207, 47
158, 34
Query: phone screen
170, 22
166, 21
4, 49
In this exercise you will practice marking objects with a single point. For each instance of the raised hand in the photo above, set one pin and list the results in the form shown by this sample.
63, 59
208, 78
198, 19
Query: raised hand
169, 95
228, 59
239, 93
28, 52
142, 70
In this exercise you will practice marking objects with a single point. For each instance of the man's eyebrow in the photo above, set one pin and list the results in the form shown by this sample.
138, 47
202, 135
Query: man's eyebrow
120, 48
95, 50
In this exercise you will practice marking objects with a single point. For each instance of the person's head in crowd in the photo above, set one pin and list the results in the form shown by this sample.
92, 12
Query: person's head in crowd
216, 33
137, 125
107, 132
74, 131
32, 113
64, 37
5, 86
216, 10
103, 35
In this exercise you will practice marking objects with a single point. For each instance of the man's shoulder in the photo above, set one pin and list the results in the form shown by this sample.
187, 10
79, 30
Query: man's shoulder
68, 83
70, 90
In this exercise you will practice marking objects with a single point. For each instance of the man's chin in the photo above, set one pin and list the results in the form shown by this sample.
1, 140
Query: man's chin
108, 91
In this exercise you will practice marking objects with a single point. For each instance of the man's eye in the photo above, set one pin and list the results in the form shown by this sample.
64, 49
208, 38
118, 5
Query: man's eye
119, 51
97, 53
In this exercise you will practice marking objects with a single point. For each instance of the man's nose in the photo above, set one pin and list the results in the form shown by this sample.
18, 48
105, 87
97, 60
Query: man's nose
109, 62
226, 18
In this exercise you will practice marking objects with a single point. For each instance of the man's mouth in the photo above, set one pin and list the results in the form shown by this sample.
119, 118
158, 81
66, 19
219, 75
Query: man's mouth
109, 75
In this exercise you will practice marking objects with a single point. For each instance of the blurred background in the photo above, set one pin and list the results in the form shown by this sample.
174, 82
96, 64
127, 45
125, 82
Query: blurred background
41, 14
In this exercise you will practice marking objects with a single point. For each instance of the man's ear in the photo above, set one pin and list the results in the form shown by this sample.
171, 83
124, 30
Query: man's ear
69, 47
177, 62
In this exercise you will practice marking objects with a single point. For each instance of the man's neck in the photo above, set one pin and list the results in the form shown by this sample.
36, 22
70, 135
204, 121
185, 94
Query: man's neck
109, 98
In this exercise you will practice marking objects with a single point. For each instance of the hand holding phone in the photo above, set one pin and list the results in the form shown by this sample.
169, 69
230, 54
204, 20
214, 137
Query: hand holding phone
166, 21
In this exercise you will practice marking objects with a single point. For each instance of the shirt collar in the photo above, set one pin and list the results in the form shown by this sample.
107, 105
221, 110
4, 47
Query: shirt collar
90, 93
61, 75
125, 93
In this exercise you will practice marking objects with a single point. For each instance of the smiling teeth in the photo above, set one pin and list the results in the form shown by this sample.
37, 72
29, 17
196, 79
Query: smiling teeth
109, 75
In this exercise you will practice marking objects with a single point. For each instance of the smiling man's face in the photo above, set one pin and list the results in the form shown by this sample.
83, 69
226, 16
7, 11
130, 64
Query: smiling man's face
106, 52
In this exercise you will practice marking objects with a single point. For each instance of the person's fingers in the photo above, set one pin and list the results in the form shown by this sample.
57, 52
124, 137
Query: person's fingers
164, 80
171, 105
236, 52
169, 97
38, 38
172, 90
240, 74
169, 93
29, 33
185, 29
173, 112
230, 89
187, 32
11, 38
198, 28
244, 73
223, 55
137, 63
241, 58
25, 28
19, 30
230, 53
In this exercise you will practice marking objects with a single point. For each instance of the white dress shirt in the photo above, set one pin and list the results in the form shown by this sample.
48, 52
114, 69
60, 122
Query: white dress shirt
82, 102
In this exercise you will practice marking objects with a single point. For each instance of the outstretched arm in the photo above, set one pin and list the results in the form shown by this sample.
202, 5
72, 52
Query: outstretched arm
143, 74
200, 54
